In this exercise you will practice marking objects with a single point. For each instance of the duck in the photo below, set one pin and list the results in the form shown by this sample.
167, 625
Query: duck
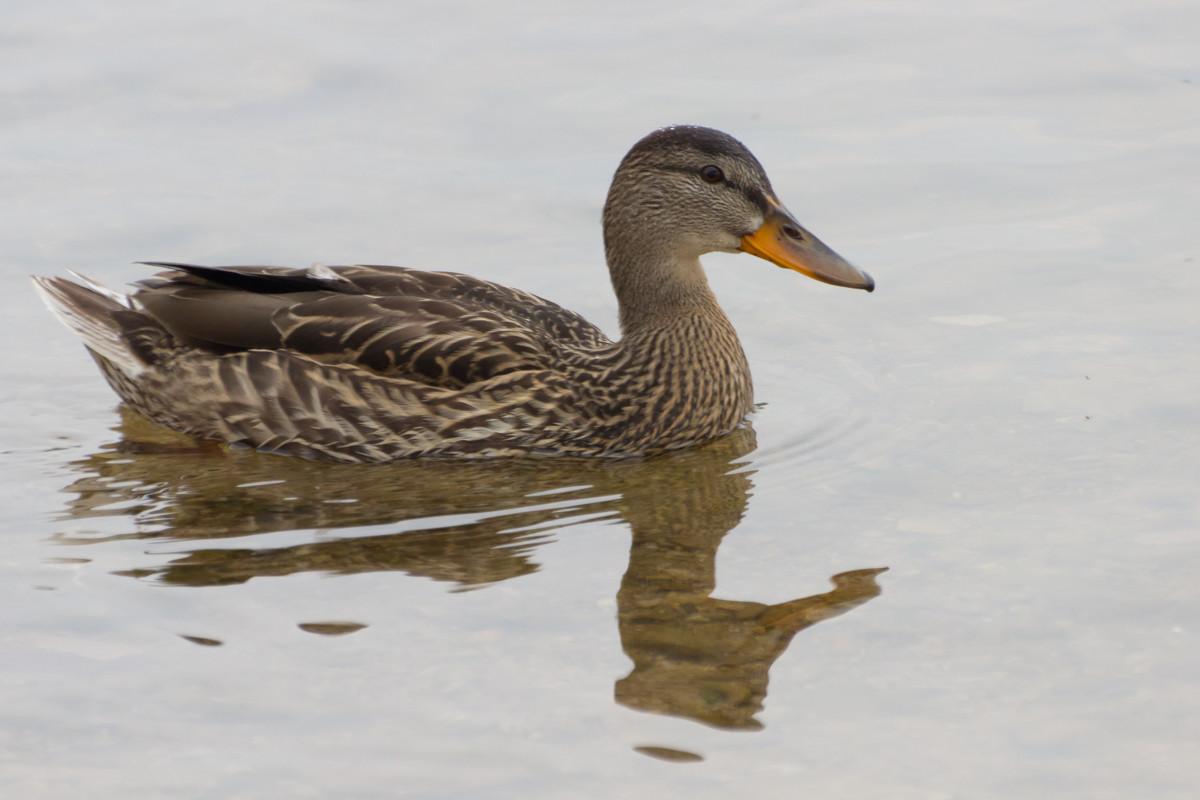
370, 363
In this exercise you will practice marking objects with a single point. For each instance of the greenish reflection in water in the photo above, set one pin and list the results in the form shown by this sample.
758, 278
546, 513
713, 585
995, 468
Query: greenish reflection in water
695, 656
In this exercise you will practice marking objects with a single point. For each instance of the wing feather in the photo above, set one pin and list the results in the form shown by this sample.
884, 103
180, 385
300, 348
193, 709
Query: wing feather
437, 328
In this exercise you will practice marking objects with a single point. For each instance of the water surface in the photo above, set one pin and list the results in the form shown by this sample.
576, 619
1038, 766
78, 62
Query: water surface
1009, 424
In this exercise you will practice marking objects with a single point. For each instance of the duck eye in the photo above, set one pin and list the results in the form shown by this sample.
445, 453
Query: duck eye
712, 174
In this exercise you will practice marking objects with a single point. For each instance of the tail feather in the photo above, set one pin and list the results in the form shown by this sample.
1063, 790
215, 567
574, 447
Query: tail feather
95, 314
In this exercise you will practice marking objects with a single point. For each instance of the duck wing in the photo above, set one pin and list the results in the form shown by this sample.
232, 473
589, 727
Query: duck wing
440, 329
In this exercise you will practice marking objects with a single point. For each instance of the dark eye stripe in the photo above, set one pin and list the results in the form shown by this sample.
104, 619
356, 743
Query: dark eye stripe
758, 198
753, 194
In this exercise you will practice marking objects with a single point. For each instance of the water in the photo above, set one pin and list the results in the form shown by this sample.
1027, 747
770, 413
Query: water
1009, 424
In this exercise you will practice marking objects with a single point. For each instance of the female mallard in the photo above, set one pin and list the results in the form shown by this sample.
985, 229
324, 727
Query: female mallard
368, 363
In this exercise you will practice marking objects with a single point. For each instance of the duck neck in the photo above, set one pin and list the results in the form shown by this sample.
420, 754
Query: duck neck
681, 359
657, 289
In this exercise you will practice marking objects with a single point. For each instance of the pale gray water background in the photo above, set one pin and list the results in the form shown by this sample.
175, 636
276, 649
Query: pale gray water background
1010, 423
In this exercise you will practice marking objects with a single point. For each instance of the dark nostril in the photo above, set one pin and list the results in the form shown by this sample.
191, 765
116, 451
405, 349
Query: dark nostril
793, 233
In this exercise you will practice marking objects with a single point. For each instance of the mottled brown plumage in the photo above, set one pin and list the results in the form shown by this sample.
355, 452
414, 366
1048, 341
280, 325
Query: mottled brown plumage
369, 363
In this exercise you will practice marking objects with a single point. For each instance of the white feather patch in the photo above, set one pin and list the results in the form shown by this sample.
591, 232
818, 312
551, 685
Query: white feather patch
323, 273
100, 288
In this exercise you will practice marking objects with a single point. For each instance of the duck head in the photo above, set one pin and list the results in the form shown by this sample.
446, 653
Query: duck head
684, 191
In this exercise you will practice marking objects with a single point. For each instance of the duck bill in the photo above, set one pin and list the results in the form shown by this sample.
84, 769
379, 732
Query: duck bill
782, 241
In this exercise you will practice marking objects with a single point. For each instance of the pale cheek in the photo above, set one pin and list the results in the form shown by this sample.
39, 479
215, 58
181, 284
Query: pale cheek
714, 243
732, 245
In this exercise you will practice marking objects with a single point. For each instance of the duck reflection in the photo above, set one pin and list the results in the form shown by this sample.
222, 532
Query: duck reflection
473, 524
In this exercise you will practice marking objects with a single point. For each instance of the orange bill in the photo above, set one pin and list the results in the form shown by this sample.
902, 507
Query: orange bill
781, 240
